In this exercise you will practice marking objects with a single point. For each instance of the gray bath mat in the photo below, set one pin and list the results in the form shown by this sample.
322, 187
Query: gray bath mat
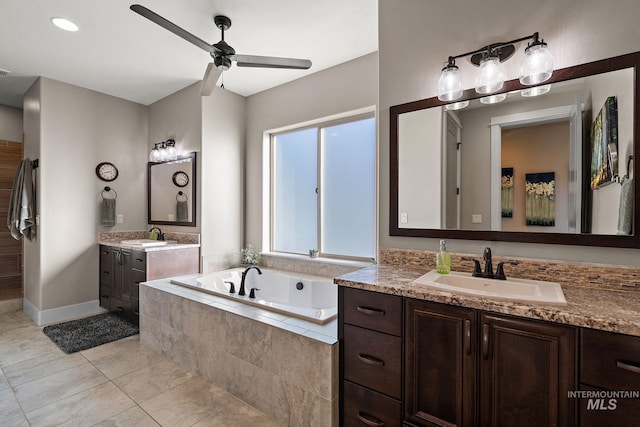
81, 334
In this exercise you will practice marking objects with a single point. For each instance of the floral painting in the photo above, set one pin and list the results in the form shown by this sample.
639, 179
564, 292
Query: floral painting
507, 192
540, 189
604, 144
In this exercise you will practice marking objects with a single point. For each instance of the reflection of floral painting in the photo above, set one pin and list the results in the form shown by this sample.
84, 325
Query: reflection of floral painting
507, 192
540, 189
604, 144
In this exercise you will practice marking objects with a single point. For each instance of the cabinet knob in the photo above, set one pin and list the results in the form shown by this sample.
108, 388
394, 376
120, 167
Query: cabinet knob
369, 419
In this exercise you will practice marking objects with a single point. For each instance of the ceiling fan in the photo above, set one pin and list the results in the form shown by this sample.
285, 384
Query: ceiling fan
221, 52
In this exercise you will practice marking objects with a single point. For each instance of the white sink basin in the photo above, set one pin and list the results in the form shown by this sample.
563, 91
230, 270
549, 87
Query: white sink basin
521, 290
145, 242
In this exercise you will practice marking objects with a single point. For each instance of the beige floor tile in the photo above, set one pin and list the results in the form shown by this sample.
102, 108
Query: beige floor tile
24, 343
41, 366
130, 356
150, 381
232, 412
4, 383
15, 320
111, 348
85, 408
60, 385
18, 421
129, 418
184, 404
9, 406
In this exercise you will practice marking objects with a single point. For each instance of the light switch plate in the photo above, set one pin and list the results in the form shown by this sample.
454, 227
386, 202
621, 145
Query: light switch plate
476, 219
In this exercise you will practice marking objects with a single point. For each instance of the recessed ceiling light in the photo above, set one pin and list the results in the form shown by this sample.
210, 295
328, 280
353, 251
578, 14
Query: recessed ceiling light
64, 24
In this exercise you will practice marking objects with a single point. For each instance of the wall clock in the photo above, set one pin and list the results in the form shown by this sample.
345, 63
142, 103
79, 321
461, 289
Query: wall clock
107, 171
181, 179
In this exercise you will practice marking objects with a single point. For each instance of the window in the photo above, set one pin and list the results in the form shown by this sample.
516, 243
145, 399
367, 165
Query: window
323, 189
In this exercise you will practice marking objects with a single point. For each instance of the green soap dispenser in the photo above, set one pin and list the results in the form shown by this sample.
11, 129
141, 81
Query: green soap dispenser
443, 259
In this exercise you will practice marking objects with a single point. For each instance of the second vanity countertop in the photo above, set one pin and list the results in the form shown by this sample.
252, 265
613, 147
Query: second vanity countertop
596, 308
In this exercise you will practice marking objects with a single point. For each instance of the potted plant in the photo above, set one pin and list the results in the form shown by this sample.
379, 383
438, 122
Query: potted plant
250, 255
313, 253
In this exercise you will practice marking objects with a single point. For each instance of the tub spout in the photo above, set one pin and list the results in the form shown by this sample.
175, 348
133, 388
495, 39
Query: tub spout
244, 276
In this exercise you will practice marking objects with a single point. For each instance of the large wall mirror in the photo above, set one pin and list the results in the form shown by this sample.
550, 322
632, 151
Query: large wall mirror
172, 191
553, 168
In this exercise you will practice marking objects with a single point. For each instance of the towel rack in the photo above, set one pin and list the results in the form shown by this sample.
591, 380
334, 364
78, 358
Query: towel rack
618, 178
35, 163
108, 190
180, 193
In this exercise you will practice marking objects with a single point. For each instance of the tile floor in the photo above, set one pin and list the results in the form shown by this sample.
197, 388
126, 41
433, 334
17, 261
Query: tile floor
122, 383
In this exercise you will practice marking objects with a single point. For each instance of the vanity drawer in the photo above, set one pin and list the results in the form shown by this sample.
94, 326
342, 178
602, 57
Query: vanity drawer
373, 310
609, 360
137, 276
106, 255
106, 275
625, 413
139, 260
373, 359
363, 407
105, 297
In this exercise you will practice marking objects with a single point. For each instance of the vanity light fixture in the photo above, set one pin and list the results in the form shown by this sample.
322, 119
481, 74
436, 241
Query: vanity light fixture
64, 24
494, 99
164, 151
457, 105
535, 91
537, 67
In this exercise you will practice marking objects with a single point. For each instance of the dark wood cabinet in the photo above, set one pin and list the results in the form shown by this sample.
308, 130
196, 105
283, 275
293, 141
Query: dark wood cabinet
609, 362
370, 336
122, 270
440, 364
527, 369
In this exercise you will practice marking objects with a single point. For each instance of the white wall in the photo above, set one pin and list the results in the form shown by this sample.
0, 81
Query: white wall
77, 129
415, 39
343, 88
10, 123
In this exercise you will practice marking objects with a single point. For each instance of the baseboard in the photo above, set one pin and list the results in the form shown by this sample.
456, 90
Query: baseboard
61, 314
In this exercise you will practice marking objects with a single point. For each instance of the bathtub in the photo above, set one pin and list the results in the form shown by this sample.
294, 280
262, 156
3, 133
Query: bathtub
316, 300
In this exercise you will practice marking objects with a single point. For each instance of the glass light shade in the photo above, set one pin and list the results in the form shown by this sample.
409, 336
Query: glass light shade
154, 154
449, 84
457, 105
490, 76
537, 65
535, 91
494, 99
172, 152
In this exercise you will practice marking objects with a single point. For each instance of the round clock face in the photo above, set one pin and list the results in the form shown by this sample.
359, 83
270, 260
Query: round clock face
107, 171
181, 179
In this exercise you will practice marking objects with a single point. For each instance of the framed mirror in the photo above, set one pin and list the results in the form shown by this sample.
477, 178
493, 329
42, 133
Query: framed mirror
171, 191
553, 168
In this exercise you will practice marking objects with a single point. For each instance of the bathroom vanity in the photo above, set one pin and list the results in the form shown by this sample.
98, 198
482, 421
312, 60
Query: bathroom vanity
124, 266
412, 356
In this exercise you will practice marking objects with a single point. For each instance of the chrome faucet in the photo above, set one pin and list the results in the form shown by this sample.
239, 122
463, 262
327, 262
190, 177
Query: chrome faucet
488, 266
241, 292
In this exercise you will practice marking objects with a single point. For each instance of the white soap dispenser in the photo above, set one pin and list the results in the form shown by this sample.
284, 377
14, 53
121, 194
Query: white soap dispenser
443, 259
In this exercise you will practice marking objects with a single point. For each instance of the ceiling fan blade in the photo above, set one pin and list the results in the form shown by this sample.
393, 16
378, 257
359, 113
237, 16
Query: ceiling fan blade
270, 62
210, 79
168, 25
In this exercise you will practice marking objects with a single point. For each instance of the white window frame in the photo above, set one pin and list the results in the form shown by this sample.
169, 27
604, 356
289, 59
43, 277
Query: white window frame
269, 182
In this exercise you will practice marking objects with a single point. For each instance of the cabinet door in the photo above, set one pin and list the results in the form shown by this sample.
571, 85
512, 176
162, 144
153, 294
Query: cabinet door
527, 369
127, 276
440, 343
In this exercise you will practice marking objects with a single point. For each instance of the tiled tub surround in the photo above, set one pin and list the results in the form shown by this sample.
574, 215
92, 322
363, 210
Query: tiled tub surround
591, 301
285, 367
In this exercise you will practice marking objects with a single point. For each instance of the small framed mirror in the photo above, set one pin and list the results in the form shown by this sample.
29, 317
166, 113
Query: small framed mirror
171, 191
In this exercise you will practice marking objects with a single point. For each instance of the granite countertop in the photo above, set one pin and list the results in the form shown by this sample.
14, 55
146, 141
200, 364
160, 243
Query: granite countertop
168, 246
598, 308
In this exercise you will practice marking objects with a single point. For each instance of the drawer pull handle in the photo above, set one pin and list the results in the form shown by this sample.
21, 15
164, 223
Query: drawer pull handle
369, 420
467, 336
628, 366
485, 341
137, 313
139, 260
105, 296
371, 311
370, 360
120, 309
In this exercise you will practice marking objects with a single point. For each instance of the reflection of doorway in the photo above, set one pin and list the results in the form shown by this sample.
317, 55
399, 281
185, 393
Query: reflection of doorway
11, 250
451, 173
571, 114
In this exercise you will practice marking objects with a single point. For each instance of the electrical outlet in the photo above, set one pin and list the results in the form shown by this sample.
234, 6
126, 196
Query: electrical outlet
476, 219
119, 219
404, 218
171, 217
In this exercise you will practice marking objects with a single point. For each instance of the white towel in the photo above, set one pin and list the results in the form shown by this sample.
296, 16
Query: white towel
625, 212
21, 213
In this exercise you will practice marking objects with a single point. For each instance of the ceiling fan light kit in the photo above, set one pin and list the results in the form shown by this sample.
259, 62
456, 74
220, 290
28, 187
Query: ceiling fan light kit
223, 55
537, 67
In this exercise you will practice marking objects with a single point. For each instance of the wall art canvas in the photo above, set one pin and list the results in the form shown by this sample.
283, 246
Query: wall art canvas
507, 192
604, 144
540, 189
